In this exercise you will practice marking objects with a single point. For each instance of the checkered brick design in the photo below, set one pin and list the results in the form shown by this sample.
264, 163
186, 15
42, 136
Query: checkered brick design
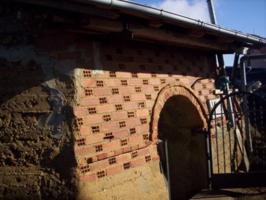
115, 104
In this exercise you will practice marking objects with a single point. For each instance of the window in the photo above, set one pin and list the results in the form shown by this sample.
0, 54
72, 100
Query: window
162, 81
156, 88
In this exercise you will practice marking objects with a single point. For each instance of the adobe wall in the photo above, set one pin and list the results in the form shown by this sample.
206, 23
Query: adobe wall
78, 115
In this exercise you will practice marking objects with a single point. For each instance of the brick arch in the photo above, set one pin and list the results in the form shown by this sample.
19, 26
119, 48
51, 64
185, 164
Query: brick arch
167, 92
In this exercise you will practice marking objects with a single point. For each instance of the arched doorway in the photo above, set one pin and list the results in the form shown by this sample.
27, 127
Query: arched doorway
183, 142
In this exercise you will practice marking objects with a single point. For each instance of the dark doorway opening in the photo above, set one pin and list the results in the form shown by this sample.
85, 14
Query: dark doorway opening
180, 127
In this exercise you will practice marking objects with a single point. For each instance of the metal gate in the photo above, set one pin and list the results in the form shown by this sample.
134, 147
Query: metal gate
237, 141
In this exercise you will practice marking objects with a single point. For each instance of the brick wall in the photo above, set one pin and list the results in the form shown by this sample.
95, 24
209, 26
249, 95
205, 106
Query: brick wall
115, 105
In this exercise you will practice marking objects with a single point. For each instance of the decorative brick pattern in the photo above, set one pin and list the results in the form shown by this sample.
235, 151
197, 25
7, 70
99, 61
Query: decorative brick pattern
118, 109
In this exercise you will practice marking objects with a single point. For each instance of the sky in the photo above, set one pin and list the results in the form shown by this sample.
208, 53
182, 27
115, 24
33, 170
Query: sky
248, 16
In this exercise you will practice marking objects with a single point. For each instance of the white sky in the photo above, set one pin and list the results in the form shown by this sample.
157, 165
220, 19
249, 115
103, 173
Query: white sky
196, 9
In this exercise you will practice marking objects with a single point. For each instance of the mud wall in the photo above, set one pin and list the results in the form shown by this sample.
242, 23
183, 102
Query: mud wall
36, 94
76, 111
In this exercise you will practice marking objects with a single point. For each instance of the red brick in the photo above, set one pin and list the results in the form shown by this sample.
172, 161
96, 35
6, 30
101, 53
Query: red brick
147, 89
85, 130
149, 104
142, 113
142, 128
138, 97
90, 100
94, 138
144, 75
123, 158
123, 74
118, 116
109, 126
112, 82
135, 81
93, 119
156, 158
115, 99
80, 111
84, 150
154, 81
88, 178
113, 145
105, 108
143, 152
138, 162
126, 90
91, 82
101, 157
102, 91
133, 122
135, 139
120, 134
114, 170
126, 149
130, 106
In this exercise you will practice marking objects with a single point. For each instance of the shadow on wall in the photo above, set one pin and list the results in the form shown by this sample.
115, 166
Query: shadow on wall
180, 126
29, 148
